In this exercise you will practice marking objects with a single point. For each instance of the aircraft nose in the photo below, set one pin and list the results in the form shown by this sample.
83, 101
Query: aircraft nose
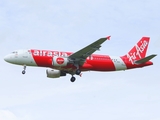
7, 58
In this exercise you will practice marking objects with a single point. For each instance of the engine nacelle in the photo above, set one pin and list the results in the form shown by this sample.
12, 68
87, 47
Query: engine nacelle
55, 73
59, 61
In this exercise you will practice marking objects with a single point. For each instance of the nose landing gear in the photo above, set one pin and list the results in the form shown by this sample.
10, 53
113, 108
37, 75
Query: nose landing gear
24, 69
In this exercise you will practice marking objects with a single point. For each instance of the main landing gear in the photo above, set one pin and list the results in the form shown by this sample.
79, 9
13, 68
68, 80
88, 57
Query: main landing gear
73, 79
24, 69
77, 72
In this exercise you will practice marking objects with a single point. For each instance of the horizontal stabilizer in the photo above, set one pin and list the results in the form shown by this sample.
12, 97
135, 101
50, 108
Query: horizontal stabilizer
144, 60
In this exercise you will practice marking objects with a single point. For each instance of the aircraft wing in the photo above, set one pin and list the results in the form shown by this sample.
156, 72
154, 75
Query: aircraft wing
80, 56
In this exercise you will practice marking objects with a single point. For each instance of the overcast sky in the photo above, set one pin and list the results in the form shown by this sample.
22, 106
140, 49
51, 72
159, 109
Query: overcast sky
69, 25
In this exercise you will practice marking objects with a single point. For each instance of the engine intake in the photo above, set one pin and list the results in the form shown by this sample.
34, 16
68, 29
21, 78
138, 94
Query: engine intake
55, 73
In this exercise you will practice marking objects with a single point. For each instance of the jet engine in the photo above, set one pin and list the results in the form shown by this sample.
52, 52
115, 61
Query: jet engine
60, 61
55, 73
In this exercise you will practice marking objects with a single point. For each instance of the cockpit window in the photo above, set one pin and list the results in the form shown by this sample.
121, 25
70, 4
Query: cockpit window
14, 52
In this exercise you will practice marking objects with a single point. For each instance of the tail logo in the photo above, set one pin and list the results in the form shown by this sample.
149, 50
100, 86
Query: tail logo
137, 52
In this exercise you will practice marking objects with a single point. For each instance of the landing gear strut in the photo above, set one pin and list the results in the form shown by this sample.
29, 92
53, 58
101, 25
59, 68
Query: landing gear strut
78, 71
24, 69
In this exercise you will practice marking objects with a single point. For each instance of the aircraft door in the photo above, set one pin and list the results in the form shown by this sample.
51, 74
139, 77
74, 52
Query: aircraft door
25, 54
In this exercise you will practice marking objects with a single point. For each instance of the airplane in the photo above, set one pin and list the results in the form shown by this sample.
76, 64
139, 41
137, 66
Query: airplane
63, 63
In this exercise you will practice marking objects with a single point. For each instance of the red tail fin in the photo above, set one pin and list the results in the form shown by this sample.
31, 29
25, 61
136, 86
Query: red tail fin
139, 50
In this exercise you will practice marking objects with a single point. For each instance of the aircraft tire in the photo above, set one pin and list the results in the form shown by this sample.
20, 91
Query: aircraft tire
73, 79
78, 72
23, 72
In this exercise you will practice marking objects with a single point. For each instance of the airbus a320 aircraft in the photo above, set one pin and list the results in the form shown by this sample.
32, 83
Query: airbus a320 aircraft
62, 63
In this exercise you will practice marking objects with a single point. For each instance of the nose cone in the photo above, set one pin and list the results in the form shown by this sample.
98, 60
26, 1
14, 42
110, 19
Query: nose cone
7, 58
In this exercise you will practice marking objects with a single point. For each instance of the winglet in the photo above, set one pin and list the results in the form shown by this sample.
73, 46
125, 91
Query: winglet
108, 37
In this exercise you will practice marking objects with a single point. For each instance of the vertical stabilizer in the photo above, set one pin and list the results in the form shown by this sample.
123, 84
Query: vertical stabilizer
139, 50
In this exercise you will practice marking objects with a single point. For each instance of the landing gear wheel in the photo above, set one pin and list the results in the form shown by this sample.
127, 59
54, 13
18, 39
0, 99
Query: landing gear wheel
24, 69
78, 72
73, 79
23, 72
